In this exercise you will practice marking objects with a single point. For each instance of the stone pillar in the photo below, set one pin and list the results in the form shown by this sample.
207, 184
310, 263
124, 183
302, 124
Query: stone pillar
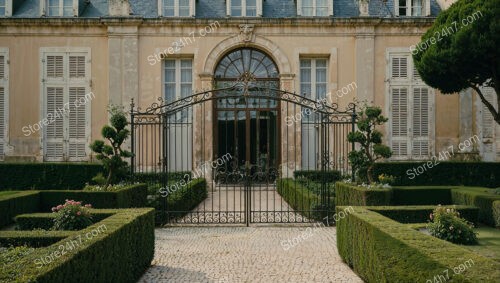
203, 125
466, 118
365, 63
289, 147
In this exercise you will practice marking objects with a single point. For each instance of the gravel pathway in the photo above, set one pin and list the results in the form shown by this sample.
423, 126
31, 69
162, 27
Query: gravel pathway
247, 254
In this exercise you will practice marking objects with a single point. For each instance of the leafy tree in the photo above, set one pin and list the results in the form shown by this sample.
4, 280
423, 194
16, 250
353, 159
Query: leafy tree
461, 50
370, 140
112, 154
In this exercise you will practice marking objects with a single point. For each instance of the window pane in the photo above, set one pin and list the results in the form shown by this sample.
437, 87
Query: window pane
184, 8
321, 8
170, 92
2, 11
2, 3
68, 8
416, 9
168, 8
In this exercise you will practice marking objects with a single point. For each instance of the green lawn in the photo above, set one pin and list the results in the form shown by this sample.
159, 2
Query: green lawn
6, 193
488, 237
489, 242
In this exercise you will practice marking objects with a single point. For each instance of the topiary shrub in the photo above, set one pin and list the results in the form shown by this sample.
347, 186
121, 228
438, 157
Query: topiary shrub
72, 216
447, 225
112, 154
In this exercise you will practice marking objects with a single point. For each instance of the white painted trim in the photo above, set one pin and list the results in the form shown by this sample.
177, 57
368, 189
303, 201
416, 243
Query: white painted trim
8, 9
43, 7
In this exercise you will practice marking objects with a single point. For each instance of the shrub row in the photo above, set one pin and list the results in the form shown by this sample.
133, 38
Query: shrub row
317, 175
480, 198
35, 239
420, 214
479, 174
151, 177
122, 251
46, 220
421, 195
47, 176
347, 194
12, 205
303, 200
132, 196
379, 249
186, 198
496, 213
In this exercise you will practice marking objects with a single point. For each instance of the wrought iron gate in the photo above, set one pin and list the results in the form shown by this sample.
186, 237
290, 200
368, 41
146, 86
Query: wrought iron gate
240, 154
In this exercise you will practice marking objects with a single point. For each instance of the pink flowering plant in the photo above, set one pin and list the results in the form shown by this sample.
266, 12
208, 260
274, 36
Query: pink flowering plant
446, 223
72, 216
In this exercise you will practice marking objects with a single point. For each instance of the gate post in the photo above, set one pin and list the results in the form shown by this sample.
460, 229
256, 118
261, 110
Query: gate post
132, 138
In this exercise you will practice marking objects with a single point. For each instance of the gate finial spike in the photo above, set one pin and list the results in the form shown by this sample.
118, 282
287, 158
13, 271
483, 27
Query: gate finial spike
132, 104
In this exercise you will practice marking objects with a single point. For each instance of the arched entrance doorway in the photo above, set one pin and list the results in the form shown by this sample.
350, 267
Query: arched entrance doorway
247, 123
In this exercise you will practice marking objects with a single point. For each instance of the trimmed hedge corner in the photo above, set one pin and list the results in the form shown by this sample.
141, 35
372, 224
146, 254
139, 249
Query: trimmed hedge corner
380, 249
132, 196
186, 198
47, 176
479, 197
46, 220
346, 194
481, 174
35, 239
420, 214
122, 251
19, 203
302, 200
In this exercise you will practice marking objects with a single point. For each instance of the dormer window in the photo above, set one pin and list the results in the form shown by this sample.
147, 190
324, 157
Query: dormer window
244, 8
177, 8
60, 8
315, 8
412, 8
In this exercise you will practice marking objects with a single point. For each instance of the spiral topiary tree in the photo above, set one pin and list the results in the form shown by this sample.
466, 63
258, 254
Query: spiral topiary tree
112, 155
369, 139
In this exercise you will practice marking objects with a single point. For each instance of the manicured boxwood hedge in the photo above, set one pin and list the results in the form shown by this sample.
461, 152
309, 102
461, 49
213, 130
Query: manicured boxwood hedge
149, 178
46, 220
379, 249
496, 213
132, 196
186, 198
479, 197
303, 200
480, 174
119, 254
421, 195
47, 176
347, 194
420, 214
12, 205
35, 239
317, 175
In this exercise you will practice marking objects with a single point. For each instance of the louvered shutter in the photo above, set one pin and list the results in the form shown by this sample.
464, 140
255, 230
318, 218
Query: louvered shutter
420, 127
2, 67
488, 123
54, 67
76, 67
399, 68
416, 75
399, 121
2, 121
54, 131
77, 123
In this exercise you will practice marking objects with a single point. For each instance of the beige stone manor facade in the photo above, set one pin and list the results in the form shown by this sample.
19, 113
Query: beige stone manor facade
62, 62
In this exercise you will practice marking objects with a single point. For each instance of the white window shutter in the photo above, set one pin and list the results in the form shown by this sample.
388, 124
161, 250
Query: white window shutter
2, 120
399, 121
488, 122
54, 67
77, 66
2, 67
299, 7
416, 75
420, 123
54, 131
259, 8
399, 67
77, 123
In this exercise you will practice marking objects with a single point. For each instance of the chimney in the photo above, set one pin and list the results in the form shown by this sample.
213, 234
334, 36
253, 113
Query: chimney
119, 8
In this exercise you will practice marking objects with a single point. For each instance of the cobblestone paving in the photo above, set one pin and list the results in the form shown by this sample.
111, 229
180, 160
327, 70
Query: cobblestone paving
247, 254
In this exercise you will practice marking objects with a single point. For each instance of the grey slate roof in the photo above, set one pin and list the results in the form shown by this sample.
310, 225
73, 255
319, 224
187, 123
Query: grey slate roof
217, 8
